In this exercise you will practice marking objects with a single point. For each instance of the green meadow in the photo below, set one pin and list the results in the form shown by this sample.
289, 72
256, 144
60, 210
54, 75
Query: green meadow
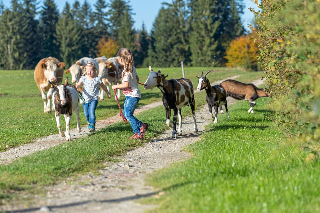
240, 165
21, 107
23, 120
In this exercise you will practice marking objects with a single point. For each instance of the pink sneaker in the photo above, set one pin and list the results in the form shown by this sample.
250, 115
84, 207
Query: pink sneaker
136, 136
143, 129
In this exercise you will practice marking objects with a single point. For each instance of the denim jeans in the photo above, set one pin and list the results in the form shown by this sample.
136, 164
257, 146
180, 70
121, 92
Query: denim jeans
89, 111
128, 108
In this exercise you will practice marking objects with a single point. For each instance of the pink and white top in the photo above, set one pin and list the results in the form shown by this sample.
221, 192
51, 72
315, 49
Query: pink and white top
133, 89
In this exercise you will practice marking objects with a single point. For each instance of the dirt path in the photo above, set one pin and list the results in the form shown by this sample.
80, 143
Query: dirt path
116, 187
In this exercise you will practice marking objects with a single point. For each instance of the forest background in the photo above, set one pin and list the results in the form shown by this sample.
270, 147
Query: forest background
195, 32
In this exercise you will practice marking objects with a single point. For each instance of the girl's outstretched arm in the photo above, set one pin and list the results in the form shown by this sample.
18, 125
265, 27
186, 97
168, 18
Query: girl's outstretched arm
105, 89
78, 85
121, 86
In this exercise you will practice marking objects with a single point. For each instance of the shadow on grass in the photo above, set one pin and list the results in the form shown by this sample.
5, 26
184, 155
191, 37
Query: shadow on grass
118, 200
231, 126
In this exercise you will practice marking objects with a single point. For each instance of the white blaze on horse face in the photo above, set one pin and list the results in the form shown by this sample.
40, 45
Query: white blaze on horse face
200, 82
151, 81
75, 71
50, 71
62, 93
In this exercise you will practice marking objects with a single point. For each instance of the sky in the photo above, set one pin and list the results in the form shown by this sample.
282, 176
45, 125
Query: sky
147, 10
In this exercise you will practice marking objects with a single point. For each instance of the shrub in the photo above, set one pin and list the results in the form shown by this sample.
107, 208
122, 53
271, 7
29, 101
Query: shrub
107, 48
243, 52
290, 54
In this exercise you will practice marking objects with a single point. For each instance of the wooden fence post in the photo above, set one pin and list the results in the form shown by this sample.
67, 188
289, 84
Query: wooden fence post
182, 69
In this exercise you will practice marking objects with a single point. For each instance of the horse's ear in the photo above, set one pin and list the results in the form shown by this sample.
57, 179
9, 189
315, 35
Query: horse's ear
150, 69
67, 71
165, 76
159, 72
197, 76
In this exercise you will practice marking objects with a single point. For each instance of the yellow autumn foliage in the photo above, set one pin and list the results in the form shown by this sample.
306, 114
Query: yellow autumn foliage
107, 48
243, 52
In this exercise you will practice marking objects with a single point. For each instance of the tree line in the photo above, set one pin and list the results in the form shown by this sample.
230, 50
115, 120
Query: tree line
197, 32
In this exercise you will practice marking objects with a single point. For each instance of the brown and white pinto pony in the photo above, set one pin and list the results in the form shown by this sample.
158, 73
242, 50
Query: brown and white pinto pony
242, 91
110, 71
177, 93
66, 101
216, 95
48, 69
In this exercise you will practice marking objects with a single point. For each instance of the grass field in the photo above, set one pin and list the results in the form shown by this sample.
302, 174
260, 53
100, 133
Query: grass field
21, 110
80, 155
241, 165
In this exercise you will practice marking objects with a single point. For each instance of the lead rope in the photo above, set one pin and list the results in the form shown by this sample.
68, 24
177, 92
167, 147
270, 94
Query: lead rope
121, 114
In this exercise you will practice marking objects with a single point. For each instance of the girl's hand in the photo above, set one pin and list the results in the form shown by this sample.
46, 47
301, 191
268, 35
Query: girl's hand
114, 87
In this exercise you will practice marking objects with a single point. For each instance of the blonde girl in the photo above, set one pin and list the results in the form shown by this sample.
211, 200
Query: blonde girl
90, 92
131, 91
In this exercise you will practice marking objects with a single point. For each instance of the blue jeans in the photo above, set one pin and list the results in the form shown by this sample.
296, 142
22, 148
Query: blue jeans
89, 111
128, 108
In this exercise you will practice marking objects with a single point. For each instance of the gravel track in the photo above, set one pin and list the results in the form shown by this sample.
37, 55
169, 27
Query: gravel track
116, 187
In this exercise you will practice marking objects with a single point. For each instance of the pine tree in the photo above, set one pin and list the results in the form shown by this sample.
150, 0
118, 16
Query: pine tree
101, 19
2, 7
205, 21
142, 47
68, 37
231, 26
48, 20
89, 36
126, 34
12, 56
179, 40
161, 37
30, 35
116, 13
75, 11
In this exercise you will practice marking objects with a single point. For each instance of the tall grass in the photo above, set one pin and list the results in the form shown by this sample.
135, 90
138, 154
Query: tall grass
241, 165
21, 107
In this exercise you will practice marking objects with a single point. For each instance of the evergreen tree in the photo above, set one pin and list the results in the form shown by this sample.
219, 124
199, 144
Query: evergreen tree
12, 56
90, 37
2, 7
161, 38
178, 18
30, 35
231, 26
68, 37
48, 20
126, 36
101, 19
205, 22
75, 14
142, 47
116, 13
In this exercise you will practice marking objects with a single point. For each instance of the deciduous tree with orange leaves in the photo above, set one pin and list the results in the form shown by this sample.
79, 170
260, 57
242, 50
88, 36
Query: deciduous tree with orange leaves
243, 52
107, 48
